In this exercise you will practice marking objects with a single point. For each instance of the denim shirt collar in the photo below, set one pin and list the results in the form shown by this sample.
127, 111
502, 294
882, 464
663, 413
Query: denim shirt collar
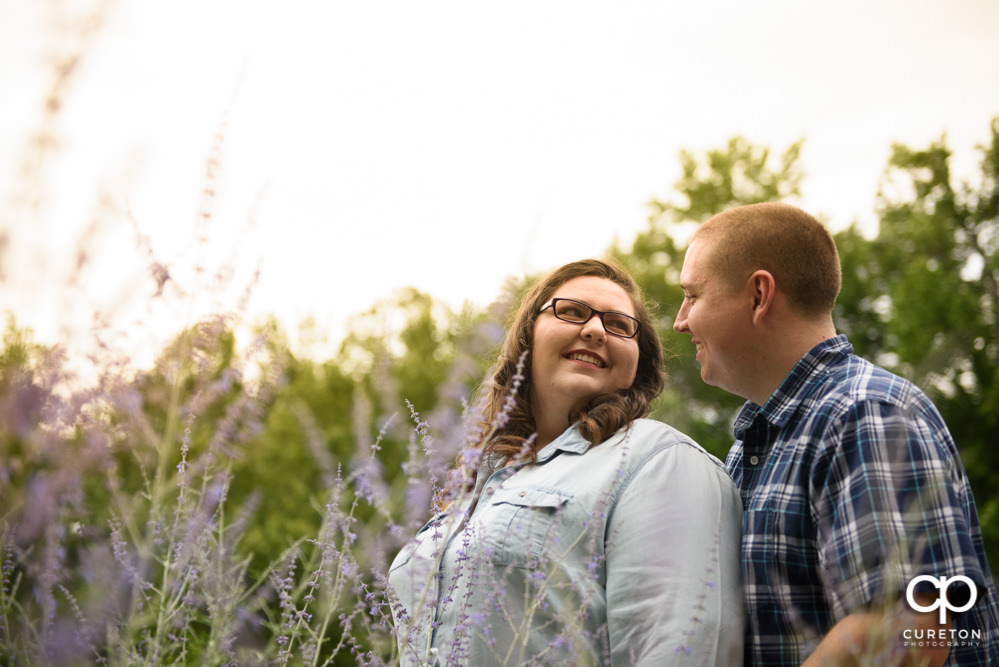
570, 441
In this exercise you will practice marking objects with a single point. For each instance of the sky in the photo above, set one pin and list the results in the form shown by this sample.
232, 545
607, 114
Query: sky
354, 148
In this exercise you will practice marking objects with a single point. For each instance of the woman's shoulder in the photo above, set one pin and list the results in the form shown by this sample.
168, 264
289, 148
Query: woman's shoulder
650, 437
658, 454
652, 433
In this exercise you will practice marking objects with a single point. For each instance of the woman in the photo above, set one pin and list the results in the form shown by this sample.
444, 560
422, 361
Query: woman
590, 535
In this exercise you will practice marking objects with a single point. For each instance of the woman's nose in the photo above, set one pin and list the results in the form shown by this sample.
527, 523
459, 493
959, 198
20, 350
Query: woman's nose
593, 328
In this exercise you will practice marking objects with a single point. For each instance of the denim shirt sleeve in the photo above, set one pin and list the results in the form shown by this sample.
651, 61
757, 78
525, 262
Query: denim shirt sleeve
673, 583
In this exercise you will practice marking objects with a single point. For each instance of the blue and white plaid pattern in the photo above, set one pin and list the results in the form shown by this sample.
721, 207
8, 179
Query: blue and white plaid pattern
852, 486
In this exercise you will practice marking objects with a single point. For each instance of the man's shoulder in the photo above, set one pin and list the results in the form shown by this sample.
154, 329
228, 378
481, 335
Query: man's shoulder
857, 380
858, 394
832, 369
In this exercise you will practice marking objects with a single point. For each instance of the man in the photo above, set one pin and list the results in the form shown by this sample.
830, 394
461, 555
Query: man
858, 512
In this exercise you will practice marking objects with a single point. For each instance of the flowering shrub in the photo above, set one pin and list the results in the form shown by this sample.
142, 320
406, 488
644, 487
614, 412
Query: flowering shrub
121, 541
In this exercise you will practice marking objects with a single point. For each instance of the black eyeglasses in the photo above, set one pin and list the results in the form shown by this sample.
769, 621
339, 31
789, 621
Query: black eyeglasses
577, 312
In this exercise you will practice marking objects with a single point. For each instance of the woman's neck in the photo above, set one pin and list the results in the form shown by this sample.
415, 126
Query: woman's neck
549, 427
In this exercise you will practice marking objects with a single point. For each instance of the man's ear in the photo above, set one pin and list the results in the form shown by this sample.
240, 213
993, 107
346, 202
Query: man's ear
764, 292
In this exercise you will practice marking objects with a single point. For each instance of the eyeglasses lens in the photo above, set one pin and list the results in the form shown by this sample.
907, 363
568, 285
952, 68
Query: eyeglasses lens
617, 324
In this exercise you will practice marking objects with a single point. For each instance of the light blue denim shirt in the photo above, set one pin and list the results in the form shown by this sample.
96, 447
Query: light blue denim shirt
621, 554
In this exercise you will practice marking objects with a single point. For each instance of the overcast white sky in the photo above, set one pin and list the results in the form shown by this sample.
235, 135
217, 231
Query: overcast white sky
444, 145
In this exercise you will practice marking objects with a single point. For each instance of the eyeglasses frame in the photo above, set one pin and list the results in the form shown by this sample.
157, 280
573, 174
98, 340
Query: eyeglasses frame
593, 311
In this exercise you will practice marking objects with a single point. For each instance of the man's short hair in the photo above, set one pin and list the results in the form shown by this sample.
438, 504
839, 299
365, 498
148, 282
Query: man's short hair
792, 245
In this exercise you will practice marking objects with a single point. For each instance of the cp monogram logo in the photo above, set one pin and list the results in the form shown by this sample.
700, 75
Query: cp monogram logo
943, 603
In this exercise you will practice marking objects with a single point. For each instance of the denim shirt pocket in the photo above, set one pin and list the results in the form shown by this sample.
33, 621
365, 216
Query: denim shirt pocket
518, 528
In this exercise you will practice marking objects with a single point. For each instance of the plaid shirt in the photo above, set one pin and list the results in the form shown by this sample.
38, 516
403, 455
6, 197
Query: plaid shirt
852, 486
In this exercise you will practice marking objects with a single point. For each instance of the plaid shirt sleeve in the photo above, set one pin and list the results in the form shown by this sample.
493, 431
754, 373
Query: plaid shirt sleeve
888, 502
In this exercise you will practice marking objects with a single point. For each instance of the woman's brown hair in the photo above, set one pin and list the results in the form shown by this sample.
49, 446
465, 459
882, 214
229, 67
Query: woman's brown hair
508, 420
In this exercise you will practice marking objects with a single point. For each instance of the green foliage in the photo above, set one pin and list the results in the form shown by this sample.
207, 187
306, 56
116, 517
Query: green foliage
328, 415
737, 175
21, 361
281, 476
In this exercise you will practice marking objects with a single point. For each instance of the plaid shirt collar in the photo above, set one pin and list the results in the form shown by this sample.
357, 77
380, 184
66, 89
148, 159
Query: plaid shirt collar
785, 401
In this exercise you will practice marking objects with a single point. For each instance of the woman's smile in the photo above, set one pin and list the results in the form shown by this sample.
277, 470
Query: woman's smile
586, 357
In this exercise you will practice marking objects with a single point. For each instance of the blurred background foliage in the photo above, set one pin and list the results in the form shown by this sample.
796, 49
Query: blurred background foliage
919, 297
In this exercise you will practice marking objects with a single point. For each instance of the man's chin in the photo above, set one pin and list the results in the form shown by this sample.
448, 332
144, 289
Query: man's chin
708, 379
